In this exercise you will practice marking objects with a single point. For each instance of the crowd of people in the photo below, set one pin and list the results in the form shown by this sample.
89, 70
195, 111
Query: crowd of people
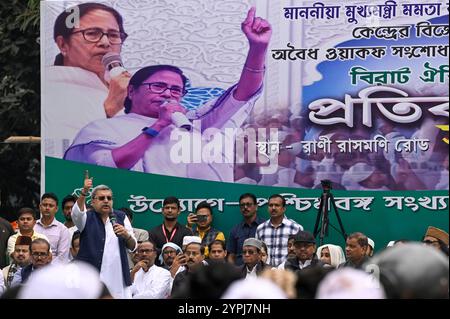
125, 122
97, 253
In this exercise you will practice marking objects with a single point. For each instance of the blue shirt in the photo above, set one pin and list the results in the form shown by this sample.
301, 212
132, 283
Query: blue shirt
239, 234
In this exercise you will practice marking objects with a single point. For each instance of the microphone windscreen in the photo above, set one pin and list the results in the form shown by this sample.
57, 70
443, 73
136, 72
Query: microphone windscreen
111, 57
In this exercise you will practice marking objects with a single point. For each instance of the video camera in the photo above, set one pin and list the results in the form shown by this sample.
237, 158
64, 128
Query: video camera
327, 185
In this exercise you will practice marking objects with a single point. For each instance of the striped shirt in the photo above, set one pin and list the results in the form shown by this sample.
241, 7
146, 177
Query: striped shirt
276, 239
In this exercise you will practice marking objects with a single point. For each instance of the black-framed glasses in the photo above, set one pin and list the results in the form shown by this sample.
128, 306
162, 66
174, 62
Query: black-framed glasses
250, 252
37, 254
246, 205
102, 198
300, 245
169, 252
160, 87
94, 35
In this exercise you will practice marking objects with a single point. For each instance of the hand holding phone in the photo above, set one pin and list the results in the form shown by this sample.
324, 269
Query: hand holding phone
201, 218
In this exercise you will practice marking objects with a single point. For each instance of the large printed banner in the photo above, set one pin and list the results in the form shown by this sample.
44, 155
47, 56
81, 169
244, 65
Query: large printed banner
277, 98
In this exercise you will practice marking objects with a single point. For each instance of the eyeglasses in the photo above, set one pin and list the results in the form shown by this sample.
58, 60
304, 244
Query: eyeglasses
250, 252
145, 251
169, 252
38, 254
246, 205
102, 198
94, 35
160, 87
191, 253
303, 245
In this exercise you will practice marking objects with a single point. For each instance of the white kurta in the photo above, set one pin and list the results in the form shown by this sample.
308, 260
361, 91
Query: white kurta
71, 98
156, 283
111, 270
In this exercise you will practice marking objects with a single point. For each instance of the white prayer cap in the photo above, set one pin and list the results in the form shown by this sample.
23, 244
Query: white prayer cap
169, 244
371, 243
191, 239
355, 174
349, 283
254, 288
75, 280
172, 245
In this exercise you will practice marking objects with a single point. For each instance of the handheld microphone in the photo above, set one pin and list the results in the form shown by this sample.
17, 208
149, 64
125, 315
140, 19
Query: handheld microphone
113, 219
179, 119
113, 65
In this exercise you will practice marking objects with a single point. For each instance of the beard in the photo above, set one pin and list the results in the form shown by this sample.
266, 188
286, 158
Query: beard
170, 218
68, 218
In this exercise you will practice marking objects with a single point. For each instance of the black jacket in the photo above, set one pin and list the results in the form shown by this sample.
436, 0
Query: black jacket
292, 263
260, 267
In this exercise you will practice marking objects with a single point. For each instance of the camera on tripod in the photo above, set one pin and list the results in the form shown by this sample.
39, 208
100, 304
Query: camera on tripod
322, 219
326, 185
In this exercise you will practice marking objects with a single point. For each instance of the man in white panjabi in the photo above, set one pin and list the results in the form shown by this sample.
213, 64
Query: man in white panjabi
149, 280
106, 235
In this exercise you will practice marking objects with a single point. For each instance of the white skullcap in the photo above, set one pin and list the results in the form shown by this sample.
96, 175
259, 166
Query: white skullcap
254, 288
191, 239
349, 283
371, 243
75, 280
169, 244
355, 174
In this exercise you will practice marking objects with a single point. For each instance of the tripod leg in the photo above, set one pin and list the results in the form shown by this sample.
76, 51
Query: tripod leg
341, 225
319, 214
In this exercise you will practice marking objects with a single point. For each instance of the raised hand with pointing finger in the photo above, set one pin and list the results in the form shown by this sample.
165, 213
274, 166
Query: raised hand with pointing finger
87, 184
257, 30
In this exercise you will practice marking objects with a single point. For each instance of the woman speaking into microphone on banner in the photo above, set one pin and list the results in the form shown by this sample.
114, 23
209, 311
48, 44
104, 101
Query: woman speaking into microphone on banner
79, 88
141, 139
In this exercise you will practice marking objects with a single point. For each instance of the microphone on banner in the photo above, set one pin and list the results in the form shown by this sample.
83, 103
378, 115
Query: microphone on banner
113, 65
179, 119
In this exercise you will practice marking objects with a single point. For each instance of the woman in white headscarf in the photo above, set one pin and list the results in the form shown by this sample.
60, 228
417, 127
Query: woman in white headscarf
331, 255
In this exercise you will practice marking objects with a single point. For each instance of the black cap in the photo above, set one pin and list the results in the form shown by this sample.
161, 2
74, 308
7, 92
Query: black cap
304, 237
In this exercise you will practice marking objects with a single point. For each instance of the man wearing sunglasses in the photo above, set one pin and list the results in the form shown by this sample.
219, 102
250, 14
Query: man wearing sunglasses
246, 229
251, 255
146, 139
106, 235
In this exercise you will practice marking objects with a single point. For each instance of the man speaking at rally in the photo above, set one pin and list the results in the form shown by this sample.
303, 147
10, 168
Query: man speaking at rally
106, 234
141, 139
